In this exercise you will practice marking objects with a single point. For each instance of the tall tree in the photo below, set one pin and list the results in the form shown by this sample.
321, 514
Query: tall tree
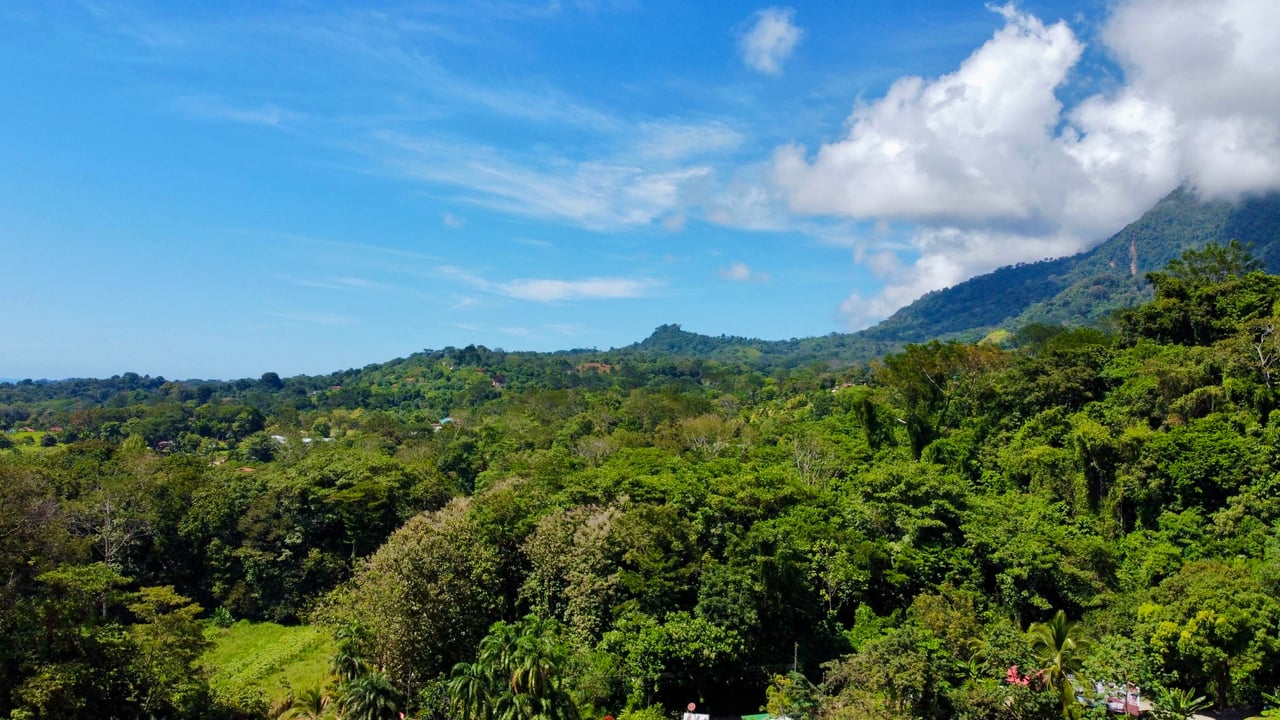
519, 674
1060, 649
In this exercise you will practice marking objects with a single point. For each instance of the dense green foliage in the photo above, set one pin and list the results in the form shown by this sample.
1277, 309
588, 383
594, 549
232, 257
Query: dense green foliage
956, 531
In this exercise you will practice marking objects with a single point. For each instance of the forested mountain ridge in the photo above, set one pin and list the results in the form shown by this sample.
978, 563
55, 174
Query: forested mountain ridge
1079, 290
1084, 288
1074, 291
833, 350
625, 535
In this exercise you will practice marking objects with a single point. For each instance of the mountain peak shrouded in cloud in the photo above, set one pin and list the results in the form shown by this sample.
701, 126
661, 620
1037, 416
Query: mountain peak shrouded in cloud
989, 167
482, 167
1213, 69
770, 39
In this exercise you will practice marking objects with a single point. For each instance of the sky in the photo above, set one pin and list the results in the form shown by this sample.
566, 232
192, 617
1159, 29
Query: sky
218, 190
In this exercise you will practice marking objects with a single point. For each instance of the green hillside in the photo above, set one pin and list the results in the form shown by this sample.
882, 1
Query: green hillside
1084, 289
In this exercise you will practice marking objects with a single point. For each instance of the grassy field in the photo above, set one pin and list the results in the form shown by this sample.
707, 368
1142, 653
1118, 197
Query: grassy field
268, 658
27, 441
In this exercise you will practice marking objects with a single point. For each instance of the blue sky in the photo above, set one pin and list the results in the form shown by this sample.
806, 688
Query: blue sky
224, 189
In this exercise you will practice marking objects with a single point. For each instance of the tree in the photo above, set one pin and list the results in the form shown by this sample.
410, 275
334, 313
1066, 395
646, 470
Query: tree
311, 704
1060, 650
351, 660
519, 674
896, 674
1211, 264
1202, 300
1177, 704
169, 639
791, 696
426, 596
1215, 625
369, 697
707, 436
572, 569
77, 661
938, 383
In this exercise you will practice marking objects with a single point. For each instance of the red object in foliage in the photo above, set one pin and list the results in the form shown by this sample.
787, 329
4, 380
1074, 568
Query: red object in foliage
1013, 677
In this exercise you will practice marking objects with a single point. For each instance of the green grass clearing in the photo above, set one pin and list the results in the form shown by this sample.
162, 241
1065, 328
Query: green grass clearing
268, 658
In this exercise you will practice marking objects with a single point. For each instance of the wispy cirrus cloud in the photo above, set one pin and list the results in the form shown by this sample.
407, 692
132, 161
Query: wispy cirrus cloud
122, 19
675, 140
336, 283
312, 318
594, 165
543, 290
596, 194
213, 107
557, 290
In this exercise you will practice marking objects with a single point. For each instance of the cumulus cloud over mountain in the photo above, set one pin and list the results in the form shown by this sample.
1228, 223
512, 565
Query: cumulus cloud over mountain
991, 167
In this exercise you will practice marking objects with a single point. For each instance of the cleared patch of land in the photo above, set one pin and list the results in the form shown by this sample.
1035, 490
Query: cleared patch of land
267, 658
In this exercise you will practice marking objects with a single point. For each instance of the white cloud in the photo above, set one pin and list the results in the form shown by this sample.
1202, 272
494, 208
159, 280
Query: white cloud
741, 272
211, 107
747, 201
976, 143
990, 169
452, 221
674, 222
945, 256
591, 289
339, 283
770, 40
555, 290
679, 141
594, 194
1213, 67
313, 318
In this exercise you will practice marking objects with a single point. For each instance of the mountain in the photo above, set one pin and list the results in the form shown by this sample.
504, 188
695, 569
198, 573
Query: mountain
1083, 289
833, 349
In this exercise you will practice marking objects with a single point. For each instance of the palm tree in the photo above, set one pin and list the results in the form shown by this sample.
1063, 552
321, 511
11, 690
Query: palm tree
536, 658
312, 704
350, 661
469, 691
1175, 704
370, 697
1060, 649
517, 675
